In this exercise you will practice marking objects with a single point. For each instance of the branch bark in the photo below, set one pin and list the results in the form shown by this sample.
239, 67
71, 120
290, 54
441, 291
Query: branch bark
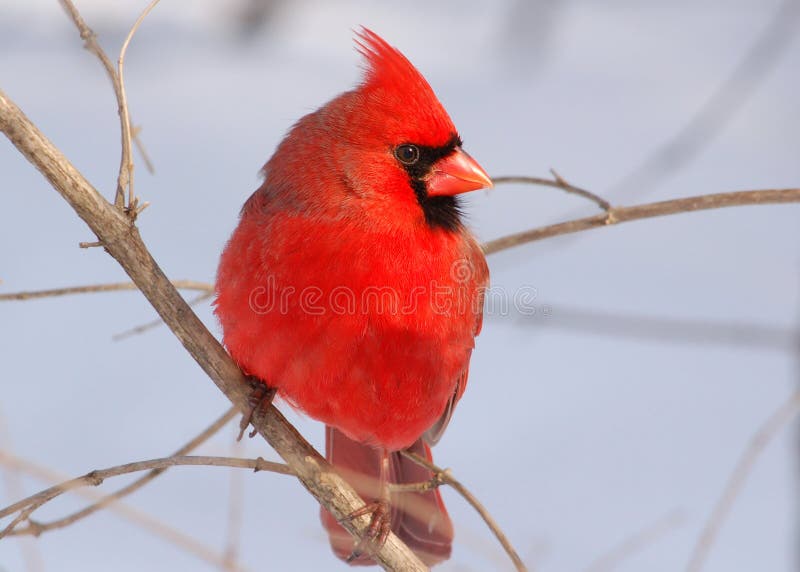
120, 238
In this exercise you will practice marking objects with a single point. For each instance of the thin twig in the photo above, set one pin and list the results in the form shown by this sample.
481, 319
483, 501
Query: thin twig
198, 440
127, 156
24, 514
139, 518
421, 487
93, 288
643, 538
788, 410
446, 477
142, 328
649, 210
31, 555
557, 182
96, 478
90, 42
92, 45
142, 151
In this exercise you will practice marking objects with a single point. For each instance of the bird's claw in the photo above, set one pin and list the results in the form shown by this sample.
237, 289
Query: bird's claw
260, 398
377, 532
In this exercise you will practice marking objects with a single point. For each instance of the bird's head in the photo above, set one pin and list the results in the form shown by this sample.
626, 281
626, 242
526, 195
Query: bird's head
386, 148
395, 117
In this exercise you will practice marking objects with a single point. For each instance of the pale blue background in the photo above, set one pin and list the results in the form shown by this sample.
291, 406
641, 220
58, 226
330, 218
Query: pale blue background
575, 432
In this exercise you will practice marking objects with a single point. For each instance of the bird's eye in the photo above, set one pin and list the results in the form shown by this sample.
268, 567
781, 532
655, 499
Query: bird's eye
407, 154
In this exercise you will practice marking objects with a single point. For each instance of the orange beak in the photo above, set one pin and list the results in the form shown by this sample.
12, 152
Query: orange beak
456, 173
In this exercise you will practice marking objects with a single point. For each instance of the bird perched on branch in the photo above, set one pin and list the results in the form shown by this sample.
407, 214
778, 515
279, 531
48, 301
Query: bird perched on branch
352, 287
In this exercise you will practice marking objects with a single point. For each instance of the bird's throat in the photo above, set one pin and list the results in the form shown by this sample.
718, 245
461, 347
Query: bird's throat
440, 212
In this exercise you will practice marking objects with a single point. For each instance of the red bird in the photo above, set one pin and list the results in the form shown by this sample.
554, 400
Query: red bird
353, 288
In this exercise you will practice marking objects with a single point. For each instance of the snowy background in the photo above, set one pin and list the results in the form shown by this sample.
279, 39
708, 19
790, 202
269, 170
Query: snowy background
657, 349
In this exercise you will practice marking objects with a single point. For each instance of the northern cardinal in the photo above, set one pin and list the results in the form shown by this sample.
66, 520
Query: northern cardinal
353, 288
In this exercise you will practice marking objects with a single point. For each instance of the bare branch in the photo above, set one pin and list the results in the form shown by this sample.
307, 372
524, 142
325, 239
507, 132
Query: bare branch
142, 328
93, 288
121, 239
96, 478
147, 522
90, 43
649, 210
201, 438
148, 164
127, 157
557, 182
446, 477
788, 410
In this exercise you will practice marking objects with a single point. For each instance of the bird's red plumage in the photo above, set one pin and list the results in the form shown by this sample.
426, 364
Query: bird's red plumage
334, 288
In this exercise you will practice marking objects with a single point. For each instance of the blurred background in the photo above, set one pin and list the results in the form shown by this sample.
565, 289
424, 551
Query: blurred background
611, 417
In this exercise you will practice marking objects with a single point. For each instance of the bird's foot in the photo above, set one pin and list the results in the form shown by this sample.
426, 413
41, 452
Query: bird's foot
260, 398
377, 532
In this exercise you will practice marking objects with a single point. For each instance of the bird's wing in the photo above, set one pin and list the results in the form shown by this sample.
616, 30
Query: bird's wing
436, 431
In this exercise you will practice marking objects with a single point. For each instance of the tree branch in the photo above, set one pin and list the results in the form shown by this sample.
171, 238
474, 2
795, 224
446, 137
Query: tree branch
135, 485
91, 44
96, 478
94, 288
625, 214
142, 328
446, 477
133, 208
135, 516
121, 239
556, 182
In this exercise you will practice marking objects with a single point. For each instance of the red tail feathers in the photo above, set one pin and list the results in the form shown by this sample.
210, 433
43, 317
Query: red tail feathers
418, 519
